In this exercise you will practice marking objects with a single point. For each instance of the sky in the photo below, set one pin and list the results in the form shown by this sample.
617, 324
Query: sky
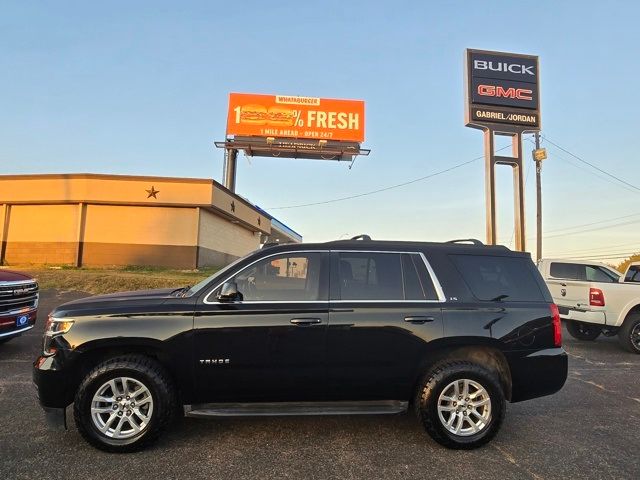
142, 88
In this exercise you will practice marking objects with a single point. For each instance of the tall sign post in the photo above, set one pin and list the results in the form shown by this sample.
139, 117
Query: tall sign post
502, 98
291, 127
539, 154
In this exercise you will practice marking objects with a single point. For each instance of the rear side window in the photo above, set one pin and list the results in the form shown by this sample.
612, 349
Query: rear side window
567, 271
384, 276
595, 273
580, 272
490, 277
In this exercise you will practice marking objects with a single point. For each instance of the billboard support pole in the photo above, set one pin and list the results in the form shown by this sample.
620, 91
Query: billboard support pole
230, 164
515, 161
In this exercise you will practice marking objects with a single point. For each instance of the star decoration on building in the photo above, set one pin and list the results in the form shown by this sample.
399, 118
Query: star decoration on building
153, 192
233, 206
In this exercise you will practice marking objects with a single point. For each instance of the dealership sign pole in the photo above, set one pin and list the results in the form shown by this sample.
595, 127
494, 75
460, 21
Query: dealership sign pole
502, 98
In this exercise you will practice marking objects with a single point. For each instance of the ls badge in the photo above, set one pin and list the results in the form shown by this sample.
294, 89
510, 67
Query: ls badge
563, 292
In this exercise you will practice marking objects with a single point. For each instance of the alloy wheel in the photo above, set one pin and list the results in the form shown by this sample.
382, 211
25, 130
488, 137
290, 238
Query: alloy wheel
122, 408
464, 407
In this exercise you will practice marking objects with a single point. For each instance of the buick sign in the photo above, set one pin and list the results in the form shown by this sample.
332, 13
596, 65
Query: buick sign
502, 88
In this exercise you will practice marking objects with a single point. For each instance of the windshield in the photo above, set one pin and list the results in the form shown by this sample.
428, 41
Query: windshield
200, 285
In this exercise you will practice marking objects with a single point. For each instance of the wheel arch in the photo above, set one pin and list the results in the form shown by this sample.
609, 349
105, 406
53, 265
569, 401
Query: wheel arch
484, 352
93, 353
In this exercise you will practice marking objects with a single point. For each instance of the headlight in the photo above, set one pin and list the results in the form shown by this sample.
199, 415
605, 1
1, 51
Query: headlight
57, 326
53, 328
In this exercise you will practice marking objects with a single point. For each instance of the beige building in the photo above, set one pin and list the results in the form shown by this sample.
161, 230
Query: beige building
91, 219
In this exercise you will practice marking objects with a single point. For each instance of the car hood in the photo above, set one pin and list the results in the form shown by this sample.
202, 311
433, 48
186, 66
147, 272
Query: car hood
115, 302
13, 276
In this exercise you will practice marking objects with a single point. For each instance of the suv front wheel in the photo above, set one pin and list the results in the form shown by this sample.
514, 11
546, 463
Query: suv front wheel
460, 404
124, 403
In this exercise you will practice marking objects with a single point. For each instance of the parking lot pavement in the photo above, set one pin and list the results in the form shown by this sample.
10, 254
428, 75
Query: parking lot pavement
588, 430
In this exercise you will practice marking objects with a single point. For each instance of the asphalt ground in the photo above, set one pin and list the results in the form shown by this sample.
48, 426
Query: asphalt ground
589, 430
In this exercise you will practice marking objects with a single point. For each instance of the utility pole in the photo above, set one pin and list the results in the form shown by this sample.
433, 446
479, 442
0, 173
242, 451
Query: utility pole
539, 154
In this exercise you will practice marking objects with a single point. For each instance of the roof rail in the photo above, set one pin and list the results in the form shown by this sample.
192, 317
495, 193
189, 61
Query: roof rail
361, 237
274, 244
466, 240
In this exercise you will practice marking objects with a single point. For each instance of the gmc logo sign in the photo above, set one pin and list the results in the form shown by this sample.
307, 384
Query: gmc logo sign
501, 92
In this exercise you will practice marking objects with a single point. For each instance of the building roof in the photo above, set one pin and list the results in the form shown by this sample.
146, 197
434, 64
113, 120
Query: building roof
137, 190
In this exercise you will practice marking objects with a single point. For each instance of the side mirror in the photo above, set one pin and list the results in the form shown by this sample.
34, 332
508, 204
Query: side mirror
229, 293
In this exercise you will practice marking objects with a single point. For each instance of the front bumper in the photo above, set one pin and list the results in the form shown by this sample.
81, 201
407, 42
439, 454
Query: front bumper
52, 383
537, 374
9, 323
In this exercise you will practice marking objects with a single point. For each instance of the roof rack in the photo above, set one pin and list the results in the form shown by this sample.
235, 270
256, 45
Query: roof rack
466, 240
361, 237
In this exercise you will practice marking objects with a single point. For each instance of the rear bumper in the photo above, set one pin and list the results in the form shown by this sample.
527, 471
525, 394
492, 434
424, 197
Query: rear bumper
537, 374
586, 316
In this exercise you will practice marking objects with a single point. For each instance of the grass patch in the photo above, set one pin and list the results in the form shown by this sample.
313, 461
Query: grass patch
109, 280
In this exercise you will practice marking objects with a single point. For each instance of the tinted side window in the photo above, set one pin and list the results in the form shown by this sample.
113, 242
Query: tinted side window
417, 281
567, 271
288, 277
370, 276
633, 274
490, 277
599, 274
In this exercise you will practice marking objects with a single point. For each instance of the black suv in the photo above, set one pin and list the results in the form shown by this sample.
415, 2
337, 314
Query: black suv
347, 327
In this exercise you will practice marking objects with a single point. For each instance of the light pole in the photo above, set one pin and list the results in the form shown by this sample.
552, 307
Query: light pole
539, 154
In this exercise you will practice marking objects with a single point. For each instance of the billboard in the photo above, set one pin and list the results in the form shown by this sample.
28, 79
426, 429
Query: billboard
502, 89
286, 116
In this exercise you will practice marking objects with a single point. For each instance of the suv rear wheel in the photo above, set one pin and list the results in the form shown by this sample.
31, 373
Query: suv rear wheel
583, 331
124, 404
460, 404
629, 334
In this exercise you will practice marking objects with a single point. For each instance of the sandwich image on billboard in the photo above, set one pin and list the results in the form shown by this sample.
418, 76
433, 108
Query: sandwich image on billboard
502, 88
285, 116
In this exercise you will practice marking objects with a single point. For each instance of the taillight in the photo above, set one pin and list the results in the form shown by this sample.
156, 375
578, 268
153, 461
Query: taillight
557, 327
596, 297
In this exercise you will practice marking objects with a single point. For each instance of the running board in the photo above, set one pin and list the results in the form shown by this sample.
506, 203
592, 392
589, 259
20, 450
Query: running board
378, 407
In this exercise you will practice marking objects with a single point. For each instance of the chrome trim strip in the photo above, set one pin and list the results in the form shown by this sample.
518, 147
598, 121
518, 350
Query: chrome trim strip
9, 283
16, 331
18, 311
434, 280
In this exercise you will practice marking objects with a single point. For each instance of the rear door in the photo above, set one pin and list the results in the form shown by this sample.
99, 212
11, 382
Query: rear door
385, 309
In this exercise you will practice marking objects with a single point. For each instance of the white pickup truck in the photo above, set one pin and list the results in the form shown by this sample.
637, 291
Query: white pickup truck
632, 275
594, 299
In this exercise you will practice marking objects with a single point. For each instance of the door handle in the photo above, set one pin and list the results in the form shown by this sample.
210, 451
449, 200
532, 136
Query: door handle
419, 319
305, 321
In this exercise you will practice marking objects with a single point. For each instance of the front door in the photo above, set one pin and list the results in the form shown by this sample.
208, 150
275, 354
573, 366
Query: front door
385, 312
271, 345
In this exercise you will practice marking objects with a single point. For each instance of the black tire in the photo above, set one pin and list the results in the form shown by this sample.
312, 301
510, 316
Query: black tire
436, 381
583, 331
4, 340
142, 369
629, 334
